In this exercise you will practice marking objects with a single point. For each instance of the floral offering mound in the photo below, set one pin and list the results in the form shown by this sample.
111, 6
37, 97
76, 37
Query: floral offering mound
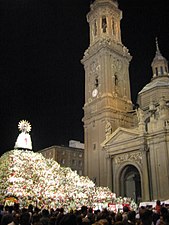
33, 179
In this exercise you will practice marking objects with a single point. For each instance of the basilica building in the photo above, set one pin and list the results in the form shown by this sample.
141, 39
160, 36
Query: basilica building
126, 148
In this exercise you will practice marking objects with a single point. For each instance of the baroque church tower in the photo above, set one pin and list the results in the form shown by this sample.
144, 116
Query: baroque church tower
107, 86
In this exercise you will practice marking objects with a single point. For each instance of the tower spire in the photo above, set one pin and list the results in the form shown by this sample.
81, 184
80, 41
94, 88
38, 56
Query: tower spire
159, 63
157, 48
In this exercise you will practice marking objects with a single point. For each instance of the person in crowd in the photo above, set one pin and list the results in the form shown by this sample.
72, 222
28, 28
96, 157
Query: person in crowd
1, 211
90, 215
25, 218
125, 214
78, 219
16, 215
164, 217
16, 218
131, 216
146, 217
118, 219
45, 217
68, 219
101, 222
7, 216
35, 219
60, 215
7, 219
158, 206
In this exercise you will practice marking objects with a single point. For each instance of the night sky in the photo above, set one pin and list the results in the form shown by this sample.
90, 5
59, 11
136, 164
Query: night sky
41, 77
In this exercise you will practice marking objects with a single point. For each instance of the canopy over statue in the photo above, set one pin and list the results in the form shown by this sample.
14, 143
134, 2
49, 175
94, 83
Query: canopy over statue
24, 140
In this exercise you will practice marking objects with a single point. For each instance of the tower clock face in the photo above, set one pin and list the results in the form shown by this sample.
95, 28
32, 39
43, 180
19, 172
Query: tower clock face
94, 92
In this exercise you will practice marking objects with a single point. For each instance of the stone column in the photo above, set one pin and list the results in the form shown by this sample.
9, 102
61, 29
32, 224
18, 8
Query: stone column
109, 171
146, 176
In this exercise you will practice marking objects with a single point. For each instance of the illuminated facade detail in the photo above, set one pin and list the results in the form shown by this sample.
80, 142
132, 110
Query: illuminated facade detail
24, 140
107, 89
126, 149
135, 157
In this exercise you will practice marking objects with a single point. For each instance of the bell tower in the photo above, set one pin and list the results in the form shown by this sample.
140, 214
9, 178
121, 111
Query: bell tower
107, 87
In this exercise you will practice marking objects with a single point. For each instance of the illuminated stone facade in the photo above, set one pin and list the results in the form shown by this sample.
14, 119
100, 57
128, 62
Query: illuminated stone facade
125, 149
72, 157
107, 89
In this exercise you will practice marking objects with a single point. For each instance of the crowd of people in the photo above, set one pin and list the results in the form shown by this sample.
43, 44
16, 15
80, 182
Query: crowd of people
14, 215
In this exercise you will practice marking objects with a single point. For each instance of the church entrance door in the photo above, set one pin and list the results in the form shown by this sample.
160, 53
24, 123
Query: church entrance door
130, 183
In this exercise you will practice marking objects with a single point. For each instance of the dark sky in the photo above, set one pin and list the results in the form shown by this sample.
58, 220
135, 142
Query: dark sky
41, 77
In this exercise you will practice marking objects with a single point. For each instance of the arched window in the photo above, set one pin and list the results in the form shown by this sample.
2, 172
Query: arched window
156, 71
161, 70
95, 28
104, 24
115, 80
96, 84
113, 26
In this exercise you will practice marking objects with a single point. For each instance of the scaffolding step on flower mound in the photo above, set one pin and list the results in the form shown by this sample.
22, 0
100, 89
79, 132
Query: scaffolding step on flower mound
32, 179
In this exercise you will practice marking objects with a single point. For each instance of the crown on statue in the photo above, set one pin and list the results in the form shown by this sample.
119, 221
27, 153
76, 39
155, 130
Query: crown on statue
24, 126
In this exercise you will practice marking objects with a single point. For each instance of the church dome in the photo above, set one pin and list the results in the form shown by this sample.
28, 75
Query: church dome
156, 83
159, 85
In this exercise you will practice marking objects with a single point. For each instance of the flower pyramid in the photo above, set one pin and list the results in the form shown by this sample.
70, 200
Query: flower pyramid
31, 178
